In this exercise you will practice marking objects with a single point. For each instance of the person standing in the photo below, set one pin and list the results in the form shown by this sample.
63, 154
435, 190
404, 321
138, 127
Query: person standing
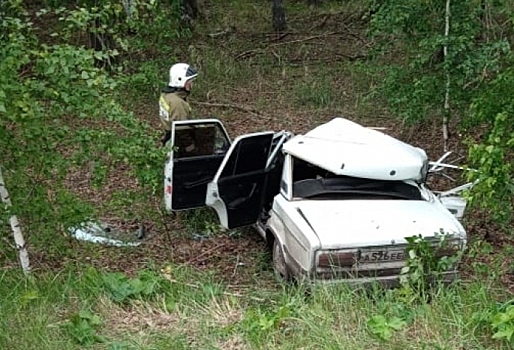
173, 103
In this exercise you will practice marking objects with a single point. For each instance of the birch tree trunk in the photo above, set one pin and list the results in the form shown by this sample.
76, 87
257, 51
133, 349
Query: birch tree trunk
447, 92
15, 226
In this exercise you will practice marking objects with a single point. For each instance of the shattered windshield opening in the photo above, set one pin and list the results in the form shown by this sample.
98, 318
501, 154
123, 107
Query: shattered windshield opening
310, 181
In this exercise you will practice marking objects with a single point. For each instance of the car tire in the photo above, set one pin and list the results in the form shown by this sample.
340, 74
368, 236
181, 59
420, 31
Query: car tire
279, 262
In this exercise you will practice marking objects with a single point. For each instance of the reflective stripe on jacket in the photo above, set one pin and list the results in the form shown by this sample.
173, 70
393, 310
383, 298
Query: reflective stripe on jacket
172, 106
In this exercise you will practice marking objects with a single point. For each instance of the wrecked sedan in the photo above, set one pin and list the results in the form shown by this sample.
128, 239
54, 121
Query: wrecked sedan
334, 204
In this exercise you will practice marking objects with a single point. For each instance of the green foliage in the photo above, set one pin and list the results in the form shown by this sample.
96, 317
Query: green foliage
426, 264
492, 156
502, 323
144, 81
414, 83
383, 327
117, 345
82, 328
59, 111
488, 271
259, 321
316, 91
202, 223
127, 26
478, 67
498, 319
61, 311
121, 289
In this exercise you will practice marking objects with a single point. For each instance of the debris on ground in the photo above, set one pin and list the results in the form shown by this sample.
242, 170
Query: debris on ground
98, 232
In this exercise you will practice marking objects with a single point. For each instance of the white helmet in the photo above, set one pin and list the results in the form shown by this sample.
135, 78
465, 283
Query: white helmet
180, 73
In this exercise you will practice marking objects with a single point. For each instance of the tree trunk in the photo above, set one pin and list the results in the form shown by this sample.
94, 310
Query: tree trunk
15, 226
190, 8
101, 41
446, 112
279, 16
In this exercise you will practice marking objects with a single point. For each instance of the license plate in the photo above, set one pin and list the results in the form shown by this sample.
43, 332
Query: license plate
382, 256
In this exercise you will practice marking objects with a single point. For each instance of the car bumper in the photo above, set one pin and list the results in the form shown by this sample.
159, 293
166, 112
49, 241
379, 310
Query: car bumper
382, 278
382, 281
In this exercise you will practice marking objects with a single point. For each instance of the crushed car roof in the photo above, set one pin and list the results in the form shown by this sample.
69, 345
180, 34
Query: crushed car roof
344, 147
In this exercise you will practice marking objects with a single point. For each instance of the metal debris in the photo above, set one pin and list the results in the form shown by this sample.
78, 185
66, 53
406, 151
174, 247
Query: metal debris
97, 232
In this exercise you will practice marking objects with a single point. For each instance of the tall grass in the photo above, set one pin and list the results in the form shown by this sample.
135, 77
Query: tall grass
180, 309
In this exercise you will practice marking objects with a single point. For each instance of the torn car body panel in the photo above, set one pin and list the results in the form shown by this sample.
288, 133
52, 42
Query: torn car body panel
347, 148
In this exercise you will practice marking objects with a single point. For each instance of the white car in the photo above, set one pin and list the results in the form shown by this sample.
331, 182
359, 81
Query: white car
334, 204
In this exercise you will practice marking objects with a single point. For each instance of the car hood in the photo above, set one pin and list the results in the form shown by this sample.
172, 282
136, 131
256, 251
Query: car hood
355, 223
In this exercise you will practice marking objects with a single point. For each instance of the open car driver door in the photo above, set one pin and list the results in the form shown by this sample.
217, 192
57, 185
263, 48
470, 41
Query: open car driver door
197, 151
238, 188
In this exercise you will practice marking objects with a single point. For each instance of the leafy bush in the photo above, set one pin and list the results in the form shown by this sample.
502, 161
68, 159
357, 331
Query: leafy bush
492, 156
424, 268
383, 327
121, 289
82, 328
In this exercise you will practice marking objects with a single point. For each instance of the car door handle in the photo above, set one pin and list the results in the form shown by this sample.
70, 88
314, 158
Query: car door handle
237, 202
196, 183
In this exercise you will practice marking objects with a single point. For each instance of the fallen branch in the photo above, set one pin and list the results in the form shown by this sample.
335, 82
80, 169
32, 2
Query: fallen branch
250, 53
281, 36
229, 105
304, 39
352, 58
319, 25
223, 32
377, 128
197, 258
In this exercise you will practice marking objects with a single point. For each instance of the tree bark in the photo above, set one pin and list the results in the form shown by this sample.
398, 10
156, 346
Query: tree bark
279, 16
446, 112
190, 8
102, 42
15, 226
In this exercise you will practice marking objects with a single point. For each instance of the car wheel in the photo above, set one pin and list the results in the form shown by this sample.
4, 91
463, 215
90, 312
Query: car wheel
279, 262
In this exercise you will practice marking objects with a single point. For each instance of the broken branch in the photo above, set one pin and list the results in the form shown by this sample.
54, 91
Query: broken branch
203, 254
304, 39
250, 53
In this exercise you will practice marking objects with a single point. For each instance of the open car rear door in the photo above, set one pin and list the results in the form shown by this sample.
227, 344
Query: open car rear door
237, 190
199, 147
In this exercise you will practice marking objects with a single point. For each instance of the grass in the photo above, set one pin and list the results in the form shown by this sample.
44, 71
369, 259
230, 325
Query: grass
166, 310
